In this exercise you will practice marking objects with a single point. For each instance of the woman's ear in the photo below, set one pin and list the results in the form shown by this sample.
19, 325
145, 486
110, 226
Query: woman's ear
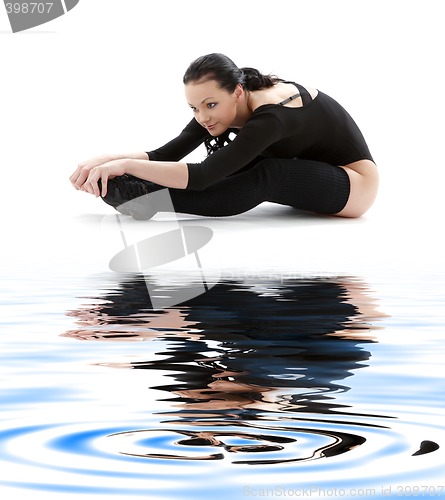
239, 91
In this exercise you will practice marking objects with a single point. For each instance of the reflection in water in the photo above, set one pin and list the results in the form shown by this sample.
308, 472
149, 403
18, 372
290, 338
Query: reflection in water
252, 350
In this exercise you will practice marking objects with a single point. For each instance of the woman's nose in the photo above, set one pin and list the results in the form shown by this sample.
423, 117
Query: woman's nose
204, 118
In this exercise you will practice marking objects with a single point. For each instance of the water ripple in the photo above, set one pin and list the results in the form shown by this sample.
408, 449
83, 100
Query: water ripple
88, 458
262, 380
290, 445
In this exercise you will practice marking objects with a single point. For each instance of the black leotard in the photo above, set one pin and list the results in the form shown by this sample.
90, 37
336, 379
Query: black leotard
320, 130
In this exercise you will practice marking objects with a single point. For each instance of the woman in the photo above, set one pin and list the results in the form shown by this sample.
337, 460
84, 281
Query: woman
292, 145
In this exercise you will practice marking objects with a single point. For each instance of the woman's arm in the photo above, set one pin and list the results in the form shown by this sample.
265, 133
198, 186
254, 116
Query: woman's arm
172, 174
168, 174
261, 131
166, 156
82, 172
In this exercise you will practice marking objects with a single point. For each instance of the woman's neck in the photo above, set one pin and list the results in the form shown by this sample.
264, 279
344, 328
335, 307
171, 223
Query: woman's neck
244, 111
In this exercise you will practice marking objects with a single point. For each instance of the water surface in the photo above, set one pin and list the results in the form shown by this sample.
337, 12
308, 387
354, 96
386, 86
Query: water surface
264, 385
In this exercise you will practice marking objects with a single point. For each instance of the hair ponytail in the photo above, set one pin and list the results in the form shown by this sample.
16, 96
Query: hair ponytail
254, 80
220, 68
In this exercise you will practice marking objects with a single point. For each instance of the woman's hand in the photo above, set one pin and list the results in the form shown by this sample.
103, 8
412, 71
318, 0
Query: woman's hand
82, 172
103, 172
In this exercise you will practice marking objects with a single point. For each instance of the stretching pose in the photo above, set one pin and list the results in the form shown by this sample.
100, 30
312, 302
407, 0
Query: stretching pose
267, 139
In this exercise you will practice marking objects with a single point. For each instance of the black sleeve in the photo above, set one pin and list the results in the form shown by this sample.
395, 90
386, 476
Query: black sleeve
189, 139
262, 130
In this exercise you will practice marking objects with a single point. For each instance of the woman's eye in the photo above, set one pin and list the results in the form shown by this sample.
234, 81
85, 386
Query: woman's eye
210, 105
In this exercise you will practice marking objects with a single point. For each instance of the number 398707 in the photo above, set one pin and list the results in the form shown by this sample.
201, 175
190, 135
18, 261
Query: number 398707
29, 8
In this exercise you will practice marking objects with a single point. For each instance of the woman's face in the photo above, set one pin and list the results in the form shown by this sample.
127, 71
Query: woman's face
213, 107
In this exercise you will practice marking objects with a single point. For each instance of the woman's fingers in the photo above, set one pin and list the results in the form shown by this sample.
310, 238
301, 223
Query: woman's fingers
91, 185
74, 177
80, 176
104, 183
82, 172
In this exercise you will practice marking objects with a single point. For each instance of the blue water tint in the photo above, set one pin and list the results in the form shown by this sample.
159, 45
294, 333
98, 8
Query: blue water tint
261, 382
77, 443
9, 434
30, 396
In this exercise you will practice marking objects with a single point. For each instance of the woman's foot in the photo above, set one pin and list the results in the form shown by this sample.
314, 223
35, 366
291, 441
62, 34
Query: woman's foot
129, 196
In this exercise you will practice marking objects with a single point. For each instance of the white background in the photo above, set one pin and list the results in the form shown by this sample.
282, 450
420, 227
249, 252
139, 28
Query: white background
107, 77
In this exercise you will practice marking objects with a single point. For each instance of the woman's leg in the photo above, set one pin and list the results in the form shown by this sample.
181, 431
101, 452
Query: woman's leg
364, 180
303, 184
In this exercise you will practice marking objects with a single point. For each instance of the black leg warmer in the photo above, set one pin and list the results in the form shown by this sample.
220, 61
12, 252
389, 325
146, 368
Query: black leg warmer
303, 184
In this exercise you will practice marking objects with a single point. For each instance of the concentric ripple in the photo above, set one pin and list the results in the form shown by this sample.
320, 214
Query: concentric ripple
74, 458
92, 459
297, 445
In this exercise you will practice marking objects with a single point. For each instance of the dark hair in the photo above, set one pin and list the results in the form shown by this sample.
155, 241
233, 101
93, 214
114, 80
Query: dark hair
223, 70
